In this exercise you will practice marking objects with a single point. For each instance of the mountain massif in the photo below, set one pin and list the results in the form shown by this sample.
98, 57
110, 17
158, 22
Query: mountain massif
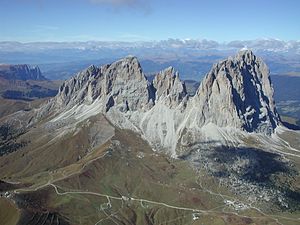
113, 147
20, 72
236, 93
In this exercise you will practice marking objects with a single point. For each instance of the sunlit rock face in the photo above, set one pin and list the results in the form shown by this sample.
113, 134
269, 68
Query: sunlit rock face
237, 92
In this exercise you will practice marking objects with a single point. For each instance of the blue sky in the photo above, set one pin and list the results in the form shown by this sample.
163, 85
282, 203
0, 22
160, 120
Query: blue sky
142, 20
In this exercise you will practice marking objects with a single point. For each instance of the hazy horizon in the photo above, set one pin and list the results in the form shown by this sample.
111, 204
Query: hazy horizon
156, 41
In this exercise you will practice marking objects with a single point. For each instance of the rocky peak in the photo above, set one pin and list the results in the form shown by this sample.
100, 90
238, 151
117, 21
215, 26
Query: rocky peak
126, 68
169, 87
245, 55
76, 90
121, 84
125, 86
238, 92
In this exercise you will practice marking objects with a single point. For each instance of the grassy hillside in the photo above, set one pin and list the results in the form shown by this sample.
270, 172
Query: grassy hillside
9, 214
122, 181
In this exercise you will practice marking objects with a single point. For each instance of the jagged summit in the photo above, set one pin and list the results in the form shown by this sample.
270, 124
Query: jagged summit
121, 84
169, 87
246, 56
245, 52
238, 92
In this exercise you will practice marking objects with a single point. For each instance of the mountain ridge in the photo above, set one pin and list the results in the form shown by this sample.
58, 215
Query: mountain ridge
237, 93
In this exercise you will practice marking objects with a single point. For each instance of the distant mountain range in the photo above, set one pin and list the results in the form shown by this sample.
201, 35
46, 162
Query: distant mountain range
193, 58
20, 72
271, 45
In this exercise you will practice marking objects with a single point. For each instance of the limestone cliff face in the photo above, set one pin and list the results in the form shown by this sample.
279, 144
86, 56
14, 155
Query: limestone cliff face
236, 93
169, 88
126, 87
121, 85
78, 89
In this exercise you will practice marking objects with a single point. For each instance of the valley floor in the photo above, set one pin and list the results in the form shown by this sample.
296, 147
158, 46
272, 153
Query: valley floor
125, 182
